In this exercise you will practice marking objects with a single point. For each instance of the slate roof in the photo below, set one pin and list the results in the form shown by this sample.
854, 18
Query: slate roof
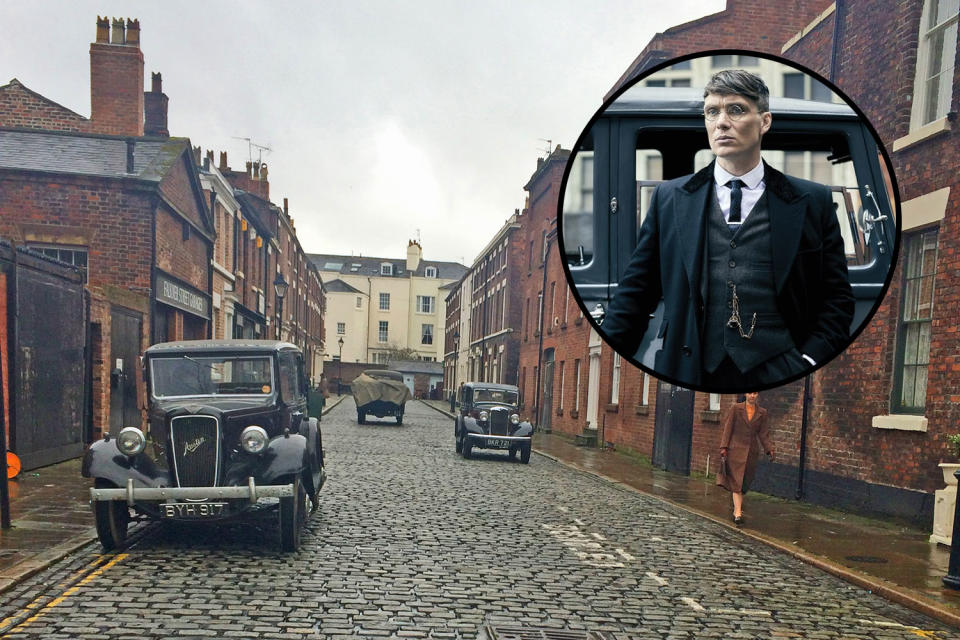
367, 266
339, 286
417, 366
90, 155
257, 210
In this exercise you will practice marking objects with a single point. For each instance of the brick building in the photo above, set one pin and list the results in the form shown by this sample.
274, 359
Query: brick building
127, 209
869, 430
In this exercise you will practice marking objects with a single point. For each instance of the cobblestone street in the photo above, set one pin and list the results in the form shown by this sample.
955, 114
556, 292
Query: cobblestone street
411, 540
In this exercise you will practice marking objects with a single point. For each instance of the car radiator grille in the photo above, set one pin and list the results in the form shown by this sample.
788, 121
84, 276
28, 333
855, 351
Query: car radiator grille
196, 443
499, 421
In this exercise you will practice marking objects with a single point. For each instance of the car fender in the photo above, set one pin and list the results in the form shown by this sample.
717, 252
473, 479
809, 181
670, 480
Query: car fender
104, 460
285, 455
524, 429
469, 424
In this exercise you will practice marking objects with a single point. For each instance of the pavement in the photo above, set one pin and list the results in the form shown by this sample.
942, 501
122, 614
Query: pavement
51, 517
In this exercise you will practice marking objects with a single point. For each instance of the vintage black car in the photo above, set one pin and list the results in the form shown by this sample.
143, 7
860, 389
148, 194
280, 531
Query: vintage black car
227, 435
489, 418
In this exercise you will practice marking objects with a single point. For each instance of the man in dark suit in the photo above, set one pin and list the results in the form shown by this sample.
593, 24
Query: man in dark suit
749, 262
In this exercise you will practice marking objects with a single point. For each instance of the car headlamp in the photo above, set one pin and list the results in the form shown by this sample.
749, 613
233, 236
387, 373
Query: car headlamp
253, 439
131, 441
514, 418
484, 416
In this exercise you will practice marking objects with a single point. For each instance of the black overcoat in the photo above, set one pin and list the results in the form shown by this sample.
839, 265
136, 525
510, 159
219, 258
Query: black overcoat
813, 290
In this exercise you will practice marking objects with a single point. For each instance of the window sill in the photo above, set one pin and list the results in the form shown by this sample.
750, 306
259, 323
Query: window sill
710, 416
900, 422
925, 132
563, 327
642, 410
613, 408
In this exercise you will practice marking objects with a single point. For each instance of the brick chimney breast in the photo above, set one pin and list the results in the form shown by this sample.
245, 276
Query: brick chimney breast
155, 109
116, 82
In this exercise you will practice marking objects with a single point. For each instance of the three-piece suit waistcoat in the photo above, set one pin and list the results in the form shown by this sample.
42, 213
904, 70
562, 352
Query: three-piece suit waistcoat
742, 260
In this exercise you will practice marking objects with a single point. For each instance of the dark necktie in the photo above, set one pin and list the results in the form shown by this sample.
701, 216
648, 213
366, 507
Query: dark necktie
736, 195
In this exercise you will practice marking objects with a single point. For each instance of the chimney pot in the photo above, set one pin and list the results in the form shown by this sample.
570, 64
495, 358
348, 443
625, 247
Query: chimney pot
118, 35
223, 161
133, 33
286, 210
249, 168
156, 82
263, 172
256, 169
103, 30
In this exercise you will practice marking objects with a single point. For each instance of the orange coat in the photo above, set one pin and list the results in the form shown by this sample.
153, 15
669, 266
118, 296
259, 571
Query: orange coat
740, 438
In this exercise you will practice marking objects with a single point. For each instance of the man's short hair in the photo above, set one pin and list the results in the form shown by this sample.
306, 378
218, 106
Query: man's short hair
741, 83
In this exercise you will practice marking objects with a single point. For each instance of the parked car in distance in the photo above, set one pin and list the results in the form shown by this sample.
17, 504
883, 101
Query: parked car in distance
380, 392
227, 436
489, 418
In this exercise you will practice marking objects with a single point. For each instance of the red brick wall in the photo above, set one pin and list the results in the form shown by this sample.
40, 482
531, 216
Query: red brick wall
177, 188
185, 259
20, 107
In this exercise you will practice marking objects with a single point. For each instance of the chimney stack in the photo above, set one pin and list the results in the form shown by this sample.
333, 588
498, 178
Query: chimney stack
286, 210
223, 161
155, 108
116, 80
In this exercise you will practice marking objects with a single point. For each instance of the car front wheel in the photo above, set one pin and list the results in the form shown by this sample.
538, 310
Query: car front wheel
293, 515
525, 453
112, 519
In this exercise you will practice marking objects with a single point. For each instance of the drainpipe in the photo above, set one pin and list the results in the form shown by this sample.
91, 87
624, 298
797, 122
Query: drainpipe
543, 296
835, 50
803, 436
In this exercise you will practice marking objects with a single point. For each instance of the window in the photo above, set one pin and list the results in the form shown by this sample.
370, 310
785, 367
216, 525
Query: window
341, 328
563, 365
426, 304
576, 382
615, 381
714, 401
359, 301
382, 333
683, 65
68, 254
799, 85
430, 272
426, 334
936, 52
721, 61
913, 332
731, 61
386, 269
384, 302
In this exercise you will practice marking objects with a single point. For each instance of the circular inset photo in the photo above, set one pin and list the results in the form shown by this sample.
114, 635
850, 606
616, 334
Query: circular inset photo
733, 232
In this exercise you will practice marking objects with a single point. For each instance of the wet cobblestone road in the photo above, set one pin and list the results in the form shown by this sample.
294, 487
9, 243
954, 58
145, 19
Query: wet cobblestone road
413, 541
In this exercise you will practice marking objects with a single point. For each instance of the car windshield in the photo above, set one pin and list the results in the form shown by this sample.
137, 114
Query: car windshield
207, 376
495, 395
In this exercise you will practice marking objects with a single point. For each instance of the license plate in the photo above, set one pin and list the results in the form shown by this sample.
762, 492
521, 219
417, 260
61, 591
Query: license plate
496, 443
192, 509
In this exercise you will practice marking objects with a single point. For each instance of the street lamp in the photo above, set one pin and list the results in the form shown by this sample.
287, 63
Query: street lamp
340, 366
453, 390
280, 288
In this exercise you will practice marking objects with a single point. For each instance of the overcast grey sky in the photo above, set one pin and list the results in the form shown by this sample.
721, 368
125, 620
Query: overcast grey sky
384, 118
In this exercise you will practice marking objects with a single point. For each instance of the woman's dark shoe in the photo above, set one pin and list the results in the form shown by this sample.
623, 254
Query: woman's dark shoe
738, 520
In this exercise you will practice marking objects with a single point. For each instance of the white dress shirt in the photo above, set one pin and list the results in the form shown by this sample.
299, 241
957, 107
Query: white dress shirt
752, 189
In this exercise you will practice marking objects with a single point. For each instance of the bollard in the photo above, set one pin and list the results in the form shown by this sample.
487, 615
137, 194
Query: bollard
952, 579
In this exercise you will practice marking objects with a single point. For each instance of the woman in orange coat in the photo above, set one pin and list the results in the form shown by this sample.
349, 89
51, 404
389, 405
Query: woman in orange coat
744, 425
